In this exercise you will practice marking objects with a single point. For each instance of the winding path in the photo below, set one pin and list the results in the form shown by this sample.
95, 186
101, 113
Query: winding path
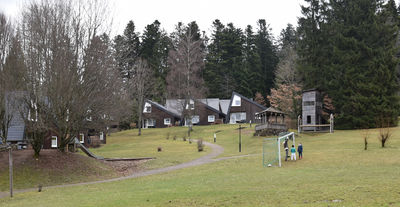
209, 158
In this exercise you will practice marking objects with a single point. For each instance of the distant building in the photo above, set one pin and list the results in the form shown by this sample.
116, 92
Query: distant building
242, 109
157, 116
311, 110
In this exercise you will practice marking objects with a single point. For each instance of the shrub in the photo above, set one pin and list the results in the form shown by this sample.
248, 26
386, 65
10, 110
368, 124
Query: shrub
385, 133
200, 146
365, 135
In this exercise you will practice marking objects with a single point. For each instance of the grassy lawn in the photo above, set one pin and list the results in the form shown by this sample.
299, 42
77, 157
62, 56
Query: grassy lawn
126, 144
335, 171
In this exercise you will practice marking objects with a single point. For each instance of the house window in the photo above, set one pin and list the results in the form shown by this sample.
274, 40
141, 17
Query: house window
167, 121
190, 105
151, 122
147, 108
236, 100
53, 141
101, 135
195, 119
308, 119
81, 138
211, 118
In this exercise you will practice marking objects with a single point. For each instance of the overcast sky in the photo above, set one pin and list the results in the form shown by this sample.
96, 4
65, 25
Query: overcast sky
277, 13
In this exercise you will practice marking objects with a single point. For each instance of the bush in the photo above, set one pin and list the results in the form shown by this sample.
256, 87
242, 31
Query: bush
200, 146
385, 133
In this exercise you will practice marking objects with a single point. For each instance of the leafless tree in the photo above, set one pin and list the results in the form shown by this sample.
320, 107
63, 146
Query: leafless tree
6, 34
186, 61
141, 86
8, 75
385, 132
70, 79
286, 69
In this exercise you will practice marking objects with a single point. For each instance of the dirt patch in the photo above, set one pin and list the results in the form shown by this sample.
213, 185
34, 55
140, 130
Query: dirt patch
125, 168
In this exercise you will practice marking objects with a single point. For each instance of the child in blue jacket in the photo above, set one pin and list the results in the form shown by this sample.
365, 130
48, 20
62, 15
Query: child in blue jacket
300, 150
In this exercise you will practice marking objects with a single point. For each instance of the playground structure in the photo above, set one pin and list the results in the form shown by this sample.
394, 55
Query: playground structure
315, 127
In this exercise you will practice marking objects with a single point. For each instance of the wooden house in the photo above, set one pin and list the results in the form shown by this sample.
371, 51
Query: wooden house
242, 109
156, 115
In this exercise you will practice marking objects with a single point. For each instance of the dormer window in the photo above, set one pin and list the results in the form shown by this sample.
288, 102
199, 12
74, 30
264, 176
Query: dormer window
236, 100
147, 108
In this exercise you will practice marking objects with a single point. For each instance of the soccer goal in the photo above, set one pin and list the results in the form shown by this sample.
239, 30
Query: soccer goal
273, 150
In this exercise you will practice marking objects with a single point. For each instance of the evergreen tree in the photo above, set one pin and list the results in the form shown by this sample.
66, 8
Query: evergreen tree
154, 48
213, 72
268, 56
127, 50
356, 65
252, 63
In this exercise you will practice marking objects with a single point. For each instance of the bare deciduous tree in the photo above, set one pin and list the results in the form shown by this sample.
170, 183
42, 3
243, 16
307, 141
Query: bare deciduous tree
385, 132
286, 69
69, 76
141, 86
186, 62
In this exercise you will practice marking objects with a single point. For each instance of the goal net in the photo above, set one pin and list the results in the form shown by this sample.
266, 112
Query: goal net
273, 150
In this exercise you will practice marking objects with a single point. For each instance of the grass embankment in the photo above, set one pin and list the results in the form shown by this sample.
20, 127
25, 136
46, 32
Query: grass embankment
335, 171
55, 168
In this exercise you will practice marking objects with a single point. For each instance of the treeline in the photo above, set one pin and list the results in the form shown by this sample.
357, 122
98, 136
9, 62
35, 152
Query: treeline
349, 50
236, 60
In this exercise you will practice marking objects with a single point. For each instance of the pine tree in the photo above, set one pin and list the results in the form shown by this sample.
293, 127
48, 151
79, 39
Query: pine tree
356, 65
252, 62
268, 56
154, 49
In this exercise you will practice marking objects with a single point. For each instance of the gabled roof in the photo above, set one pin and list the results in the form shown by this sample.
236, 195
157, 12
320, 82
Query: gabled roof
175, 105
245, 98
15, 108
224, 104
210, 107
162, 108
212, 102
272, 110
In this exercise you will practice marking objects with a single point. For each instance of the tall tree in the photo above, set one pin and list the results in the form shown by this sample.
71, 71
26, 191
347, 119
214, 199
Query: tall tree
268, 55
154, 48
142, 83
224, 70
186, 62
356, 65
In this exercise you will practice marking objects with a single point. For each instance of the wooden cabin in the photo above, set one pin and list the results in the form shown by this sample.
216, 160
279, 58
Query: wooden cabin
242, 109
157, 116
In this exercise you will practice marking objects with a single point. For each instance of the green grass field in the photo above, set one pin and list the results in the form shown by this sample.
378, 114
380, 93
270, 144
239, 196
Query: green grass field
335, 171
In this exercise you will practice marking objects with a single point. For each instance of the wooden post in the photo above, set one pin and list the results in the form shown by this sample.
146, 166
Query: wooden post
240, 138
298, 124
10, 166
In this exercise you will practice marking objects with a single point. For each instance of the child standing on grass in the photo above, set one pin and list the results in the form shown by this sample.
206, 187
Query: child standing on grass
300, 150
293, 151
